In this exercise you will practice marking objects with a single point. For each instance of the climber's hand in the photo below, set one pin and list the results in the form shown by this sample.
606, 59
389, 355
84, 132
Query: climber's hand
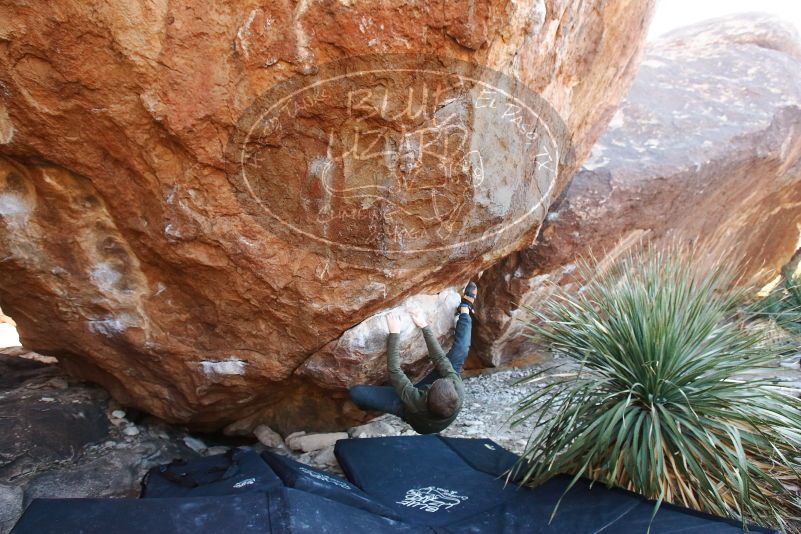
418, 317
393, 323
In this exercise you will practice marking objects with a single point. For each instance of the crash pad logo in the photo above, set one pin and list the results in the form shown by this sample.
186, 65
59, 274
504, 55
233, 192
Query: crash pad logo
385, 160
432, 499
325, 478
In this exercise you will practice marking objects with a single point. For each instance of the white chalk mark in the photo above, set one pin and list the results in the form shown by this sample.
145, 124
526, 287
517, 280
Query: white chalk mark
171, 231
108, 326
244, 32
104, 276
12, 205
301, 39
231, 366
319, 165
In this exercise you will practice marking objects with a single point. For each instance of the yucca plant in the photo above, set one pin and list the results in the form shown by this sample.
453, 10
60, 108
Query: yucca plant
648, 397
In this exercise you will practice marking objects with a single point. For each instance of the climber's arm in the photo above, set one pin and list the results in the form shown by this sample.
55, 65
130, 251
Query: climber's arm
437, 355
435, 352
410, 395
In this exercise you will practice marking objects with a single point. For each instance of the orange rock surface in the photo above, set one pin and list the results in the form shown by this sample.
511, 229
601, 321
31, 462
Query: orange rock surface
125, 248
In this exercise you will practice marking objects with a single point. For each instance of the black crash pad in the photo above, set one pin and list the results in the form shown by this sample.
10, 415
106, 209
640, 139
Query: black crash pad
489, 457
452, 484
420, 478
306, 478
235, 472
482, 455
428, 483
281, 511
294, 511
240, 514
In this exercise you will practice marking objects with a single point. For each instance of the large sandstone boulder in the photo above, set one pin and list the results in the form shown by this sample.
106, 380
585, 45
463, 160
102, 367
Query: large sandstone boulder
706, 147
137, 249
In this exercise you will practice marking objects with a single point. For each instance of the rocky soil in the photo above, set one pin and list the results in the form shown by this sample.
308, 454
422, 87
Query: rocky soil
66, 438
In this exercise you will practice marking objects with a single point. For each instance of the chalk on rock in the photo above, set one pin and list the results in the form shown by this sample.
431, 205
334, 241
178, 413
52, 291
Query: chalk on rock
119, 414
314, 442
130, 430
268, 437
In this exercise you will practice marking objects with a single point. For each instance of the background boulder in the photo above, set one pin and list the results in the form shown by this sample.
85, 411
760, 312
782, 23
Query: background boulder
706, 147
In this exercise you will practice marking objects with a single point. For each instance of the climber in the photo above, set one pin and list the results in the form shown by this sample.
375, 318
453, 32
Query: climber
433, 403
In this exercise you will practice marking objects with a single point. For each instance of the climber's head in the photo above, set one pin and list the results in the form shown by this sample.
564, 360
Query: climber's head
442, 398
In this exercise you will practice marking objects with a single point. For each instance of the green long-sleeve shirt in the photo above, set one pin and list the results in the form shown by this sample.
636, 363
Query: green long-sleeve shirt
414, 399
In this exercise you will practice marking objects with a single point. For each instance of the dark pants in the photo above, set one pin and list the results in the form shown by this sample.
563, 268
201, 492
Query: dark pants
384, 399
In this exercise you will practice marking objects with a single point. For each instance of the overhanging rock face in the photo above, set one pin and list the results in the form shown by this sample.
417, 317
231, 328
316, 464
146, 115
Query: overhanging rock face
165, 236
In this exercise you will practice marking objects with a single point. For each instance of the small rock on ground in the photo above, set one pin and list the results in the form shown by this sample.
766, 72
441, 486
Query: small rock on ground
195, 444
374, 429
313, 442
268, 437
